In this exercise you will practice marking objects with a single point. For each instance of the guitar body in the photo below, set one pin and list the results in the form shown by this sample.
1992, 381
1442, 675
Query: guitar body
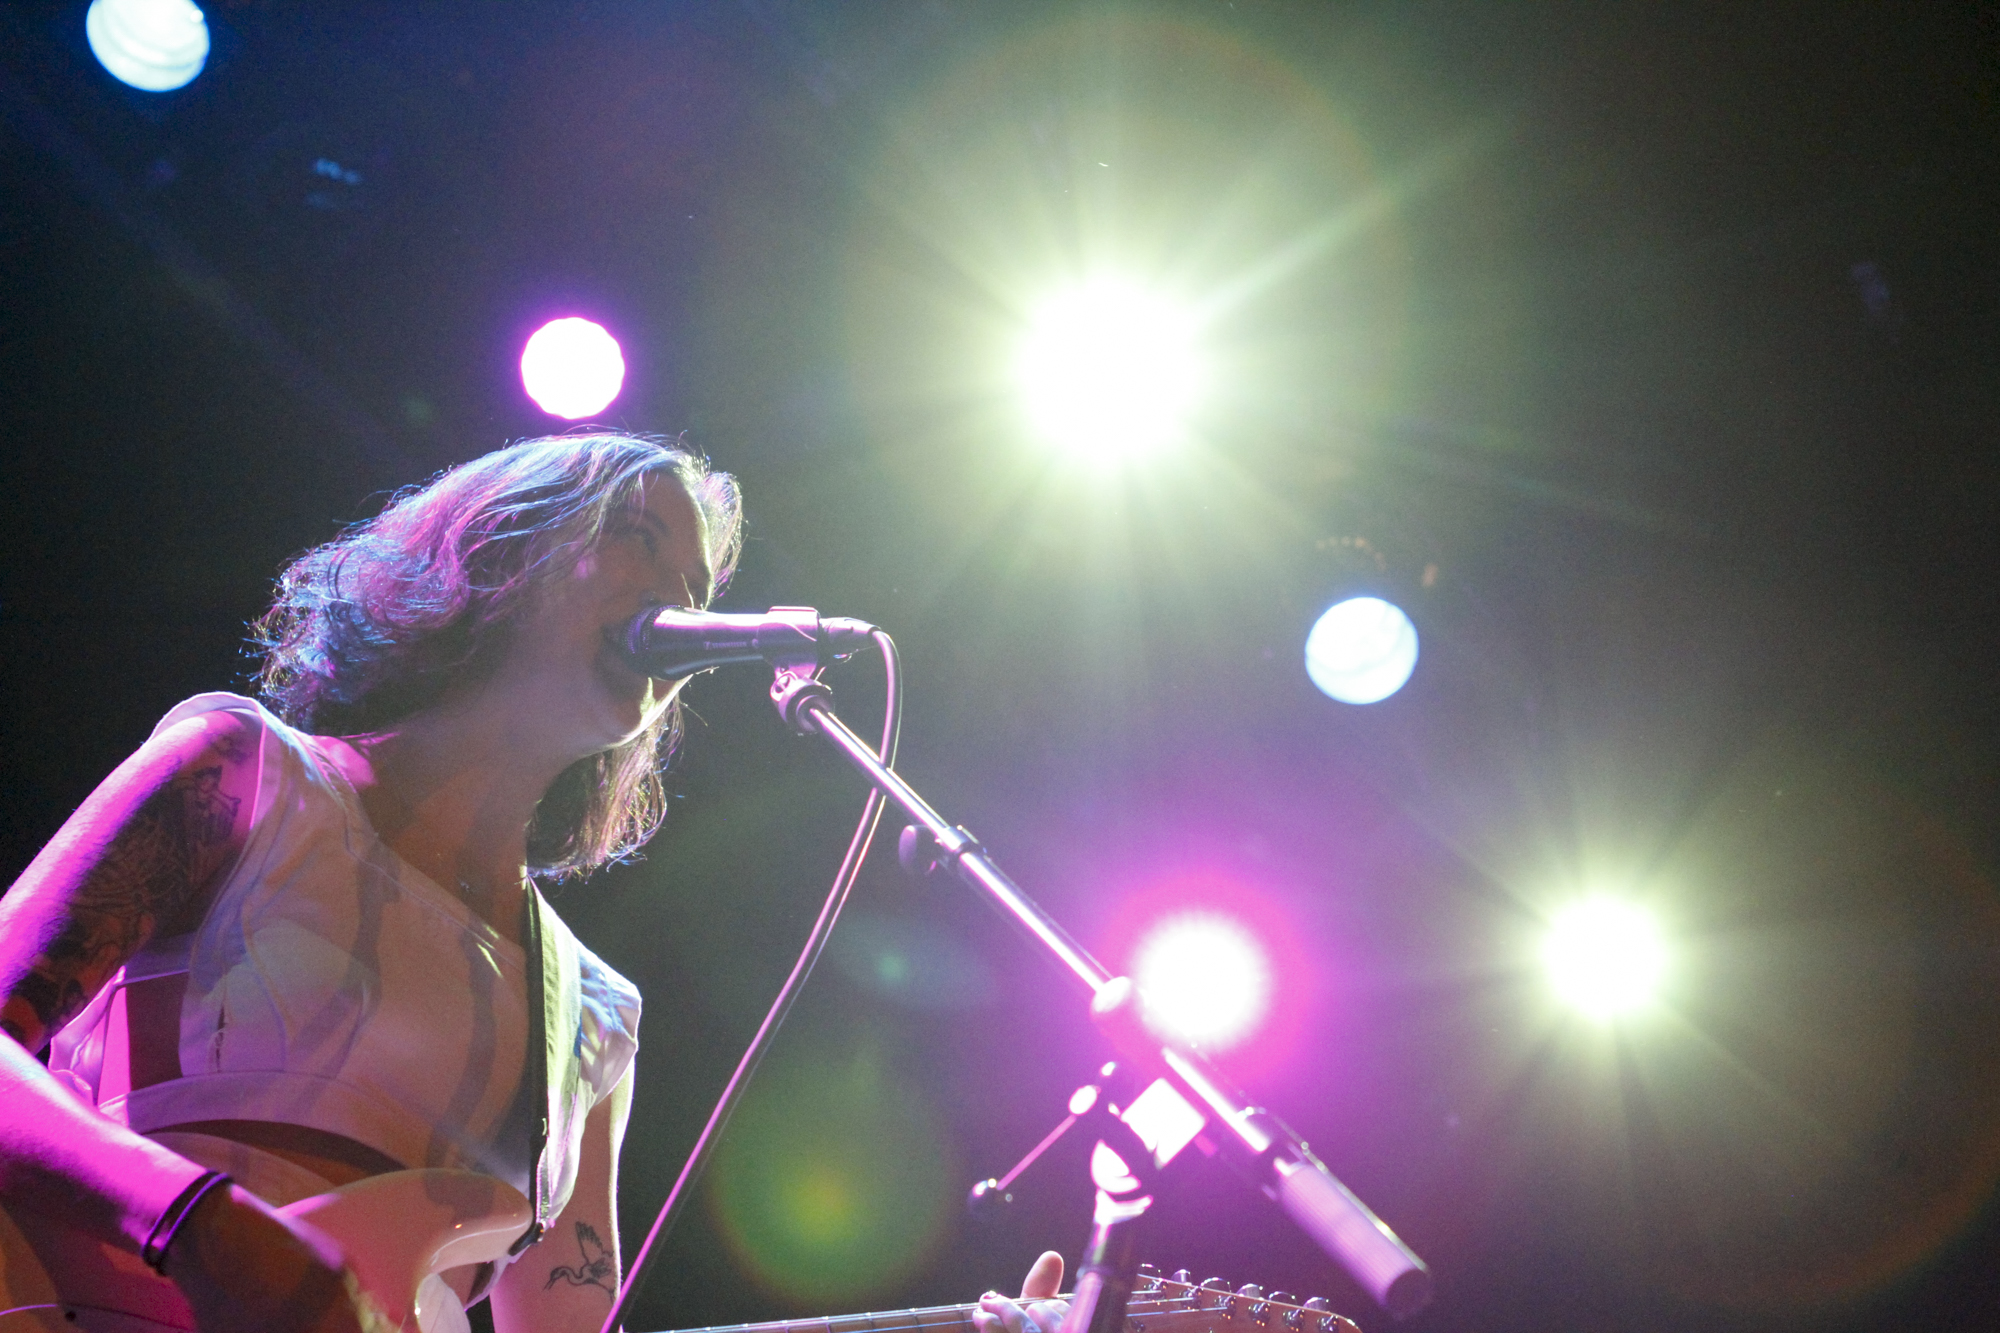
397, 1230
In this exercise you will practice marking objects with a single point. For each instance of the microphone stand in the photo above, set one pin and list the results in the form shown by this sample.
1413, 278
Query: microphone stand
1255, 1142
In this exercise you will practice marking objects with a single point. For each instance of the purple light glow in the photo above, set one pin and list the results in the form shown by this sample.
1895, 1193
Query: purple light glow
1220, 962
1187, 869
572, 368
1206, 977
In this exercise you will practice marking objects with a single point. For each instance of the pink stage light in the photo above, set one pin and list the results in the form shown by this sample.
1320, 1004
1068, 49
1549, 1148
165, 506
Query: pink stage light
1206, 977
572, 368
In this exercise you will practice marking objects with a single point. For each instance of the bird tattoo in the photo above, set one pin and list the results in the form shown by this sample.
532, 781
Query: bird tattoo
597, 1268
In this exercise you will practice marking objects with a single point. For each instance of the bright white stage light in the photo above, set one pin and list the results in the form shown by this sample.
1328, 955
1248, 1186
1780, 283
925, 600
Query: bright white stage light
1205, 977
1361, 651
155, 46
572, 368
1110, 371
1604, 956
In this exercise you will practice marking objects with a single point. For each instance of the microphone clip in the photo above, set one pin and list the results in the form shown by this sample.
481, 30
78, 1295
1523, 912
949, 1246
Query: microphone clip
794, 686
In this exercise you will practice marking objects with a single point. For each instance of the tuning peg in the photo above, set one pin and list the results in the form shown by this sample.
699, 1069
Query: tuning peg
1327, 1321
1289, 1303
1148, 1278
1249, 1298
1213, 1294
1182, 1276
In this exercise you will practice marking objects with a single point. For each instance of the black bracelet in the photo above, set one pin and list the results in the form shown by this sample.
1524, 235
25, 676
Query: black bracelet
154, 1251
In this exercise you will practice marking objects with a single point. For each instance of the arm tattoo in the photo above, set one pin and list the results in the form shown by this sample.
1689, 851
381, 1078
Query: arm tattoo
146, 878
233, 746
597, 1270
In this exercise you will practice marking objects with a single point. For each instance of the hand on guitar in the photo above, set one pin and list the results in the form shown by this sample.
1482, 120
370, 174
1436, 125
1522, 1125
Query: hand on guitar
245, 1268
1036, 1311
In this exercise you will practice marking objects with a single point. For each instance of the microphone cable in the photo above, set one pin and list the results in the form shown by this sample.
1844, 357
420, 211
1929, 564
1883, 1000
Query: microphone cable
829, 913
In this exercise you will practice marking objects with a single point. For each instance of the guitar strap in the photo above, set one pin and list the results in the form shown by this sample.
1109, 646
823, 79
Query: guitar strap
537, 1072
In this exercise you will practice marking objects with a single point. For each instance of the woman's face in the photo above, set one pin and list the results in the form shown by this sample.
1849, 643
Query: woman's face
565, 672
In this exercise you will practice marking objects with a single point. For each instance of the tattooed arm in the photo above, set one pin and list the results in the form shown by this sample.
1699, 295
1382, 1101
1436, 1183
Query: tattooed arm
566, 1283
136, 858
141, 857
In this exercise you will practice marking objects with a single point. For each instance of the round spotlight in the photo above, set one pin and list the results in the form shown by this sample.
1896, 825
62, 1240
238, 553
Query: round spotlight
1109, 371
1605, 957
1361, 650
1205, 977
572, 368
155, 46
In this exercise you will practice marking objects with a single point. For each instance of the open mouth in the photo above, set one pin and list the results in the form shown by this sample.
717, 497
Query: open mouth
616, 663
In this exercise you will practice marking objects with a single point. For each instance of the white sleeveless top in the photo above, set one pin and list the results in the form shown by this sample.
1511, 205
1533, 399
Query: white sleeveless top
333, 985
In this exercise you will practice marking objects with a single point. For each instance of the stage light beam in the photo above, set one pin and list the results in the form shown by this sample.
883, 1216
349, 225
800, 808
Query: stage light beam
1605, 957
155, 46
572, 368
1109, 371
1361, 650
1205, 977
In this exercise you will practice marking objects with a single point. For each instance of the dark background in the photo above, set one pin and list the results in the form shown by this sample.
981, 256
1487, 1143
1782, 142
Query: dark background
1662, 337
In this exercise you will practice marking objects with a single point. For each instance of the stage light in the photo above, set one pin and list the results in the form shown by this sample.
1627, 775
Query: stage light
572, 368
155, 46
1361, 650
1605, 957
1205, 977
1109, 371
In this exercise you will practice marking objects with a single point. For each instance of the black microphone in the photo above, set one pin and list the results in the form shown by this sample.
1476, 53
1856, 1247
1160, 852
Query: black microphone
671, 641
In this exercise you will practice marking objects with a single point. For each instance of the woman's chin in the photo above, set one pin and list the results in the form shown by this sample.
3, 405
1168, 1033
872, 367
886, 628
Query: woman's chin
622, 699
633, 702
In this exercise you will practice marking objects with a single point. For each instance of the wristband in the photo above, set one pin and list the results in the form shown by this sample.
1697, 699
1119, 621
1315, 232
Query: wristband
154, 1251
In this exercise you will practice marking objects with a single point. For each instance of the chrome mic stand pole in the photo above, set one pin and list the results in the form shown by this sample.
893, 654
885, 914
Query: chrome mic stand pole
1255, 1142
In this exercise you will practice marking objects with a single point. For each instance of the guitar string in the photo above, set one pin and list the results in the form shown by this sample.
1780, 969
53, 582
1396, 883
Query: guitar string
1142, 1305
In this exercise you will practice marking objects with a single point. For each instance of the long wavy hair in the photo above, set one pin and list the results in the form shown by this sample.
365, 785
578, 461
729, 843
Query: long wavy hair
381, 622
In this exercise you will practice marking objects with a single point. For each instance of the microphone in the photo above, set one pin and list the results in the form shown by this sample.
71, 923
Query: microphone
672, 641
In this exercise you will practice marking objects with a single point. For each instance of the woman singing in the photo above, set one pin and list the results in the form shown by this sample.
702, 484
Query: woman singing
285, 948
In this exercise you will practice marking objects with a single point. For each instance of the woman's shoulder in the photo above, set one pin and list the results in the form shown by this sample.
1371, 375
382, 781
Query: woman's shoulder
235, 718
203, 741
217, 727
271, 756
219, 719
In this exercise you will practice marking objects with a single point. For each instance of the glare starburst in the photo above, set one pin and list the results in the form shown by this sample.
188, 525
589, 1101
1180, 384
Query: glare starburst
1605, 957
1110, 370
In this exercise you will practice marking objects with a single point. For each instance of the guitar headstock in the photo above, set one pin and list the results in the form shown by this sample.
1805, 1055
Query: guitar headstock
1178, 1304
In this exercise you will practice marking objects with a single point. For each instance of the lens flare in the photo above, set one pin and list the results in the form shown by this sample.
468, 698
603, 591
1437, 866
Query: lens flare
1605, 957
572, 368
842, 1203
1361, 650
155, 46
1110, 371
1206, 979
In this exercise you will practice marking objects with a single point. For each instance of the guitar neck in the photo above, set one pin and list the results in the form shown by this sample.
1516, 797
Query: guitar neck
1159, 1305
932, 1319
